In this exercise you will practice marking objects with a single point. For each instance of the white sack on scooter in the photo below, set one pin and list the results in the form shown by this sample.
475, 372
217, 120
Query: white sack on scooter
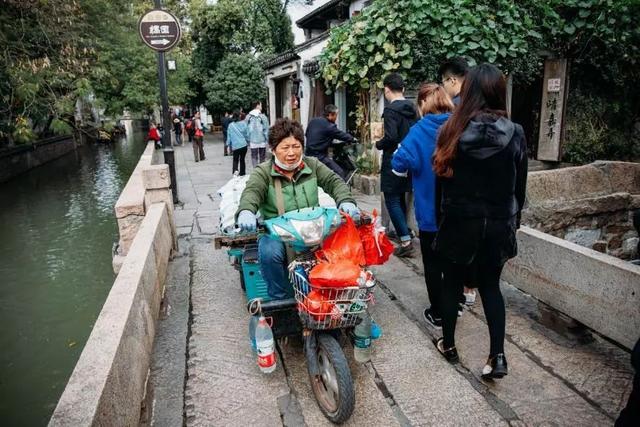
230, 194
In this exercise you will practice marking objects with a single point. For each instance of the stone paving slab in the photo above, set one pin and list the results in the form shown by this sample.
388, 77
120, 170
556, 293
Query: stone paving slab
224, 385
371, 406
599, 371
166, 381
533, 394
428, 390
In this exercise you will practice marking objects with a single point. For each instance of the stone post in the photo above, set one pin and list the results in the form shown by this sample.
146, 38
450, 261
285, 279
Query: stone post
156, 180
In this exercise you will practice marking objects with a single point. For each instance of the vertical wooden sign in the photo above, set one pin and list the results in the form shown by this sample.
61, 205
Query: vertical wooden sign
554, 94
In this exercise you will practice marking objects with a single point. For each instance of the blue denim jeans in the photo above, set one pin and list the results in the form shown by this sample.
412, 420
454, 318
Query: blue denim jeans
273, 265
397, 207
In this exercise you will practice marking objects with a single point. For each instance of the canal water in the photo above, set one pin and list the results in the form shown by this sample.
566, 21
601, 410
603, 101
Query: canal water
57, 230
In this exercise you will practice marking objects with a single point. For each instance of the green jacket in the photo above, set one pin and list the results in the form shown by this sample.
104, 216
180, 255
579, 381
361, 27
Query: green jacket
301, 192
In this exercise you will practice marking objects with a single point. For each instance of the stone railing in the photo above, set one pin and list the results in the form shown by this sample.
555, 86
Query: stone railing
149, 183
108, 382
107, 385
595, 289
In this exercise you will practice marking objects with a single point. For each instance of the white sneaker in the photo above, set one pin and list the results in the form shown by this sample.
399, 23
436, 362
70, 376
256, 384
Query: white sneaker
470, 298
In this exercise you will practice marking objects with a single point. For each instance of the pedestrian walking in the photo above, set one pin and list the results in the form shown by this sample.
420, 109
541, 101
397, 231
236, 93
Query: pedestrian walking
322, 132
414, 156
198, 136
258, 133
237, 142
452, 72
189, 128
399, 115
154, 135
481, 159
226, 120
177, 129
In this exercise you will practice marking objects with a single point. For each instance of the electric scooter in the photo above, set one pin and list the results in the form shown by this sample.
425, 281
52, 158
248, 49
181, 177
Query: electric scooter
303, 232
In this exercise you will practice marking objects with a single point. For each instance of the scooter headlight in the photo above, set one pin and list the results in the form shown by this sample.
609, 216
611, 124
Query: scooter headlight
311, 231
284, 235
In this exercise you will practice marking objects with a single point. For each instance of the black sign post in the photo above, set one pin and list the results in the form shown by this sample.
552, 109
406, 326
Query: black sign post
160, 30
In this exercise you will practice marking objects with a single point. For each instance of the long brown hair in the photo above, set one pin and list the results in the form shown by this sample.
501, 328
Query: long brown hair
433, 99
484, 90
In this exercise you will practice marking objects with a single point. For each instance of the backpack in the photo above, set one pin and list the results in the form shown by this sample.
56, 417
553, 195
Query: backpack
189, 124
255, 128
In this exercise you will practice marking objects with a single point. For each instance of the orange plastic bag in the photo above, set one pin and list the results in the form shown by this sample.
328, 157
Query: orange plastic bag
335, 274
344, 244
375, 243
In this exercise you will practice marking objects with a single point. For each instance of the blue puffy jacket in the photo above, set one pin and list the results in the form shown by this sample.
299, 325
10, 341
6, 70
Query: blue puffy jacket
414, 155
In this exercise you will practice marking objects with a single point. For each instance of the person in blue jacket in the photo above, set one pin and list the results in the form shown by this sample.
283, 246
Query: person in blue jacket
237, 141
414, 156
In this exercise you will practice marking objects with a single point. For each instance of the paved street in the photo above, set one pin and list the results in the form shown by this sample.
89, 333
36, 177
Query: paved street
205, 373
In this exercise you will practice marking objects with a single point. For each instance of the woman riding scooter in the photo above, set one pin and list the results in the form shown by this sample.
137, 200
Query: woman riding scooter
285, 183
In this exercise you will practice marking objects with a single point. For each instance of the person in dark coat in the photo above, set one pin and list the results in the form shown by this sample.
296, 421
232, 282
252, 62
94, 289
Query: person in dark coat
321, 133
481, 160
452, 73
399, 115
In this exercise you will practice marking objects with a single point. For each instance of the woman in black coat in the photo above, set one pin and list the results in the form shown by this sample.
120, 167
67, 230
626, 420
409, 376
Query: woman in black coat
481, 158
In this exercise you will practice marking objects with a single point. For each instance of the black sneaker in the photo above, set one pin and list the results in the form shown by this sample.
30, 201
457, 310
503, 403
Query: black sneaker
405, 251
495, 368
436, 322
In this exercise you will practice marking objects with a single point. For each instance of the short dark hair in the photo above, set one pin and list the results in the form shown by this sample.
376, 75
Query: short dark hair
284, 128
330, 109
254, 104
457, 66
235, 116
394, 81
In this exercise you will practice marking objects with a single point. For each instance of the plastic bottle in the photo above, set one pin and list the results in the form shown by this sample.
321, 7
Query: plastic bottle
253, 323
265, 346
362, 339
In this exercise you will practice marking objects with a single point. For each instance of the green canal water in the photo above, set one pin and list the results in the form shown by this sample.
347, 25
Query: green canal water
57, 230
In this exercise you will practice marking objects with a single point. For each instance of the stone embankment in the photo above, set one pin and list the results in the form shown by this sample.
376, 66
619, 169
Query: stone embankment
109, 380
20, 159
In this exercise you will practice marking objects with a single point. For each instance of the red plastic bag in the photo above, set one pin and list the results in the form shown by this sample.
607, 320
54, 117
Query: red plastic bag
335, 274
316, 304
375, 243
344, 244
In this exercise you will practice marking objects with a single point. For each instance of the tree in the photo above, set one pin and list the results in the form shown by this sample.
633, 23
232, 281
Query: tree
238, 80
257, 27
57, 51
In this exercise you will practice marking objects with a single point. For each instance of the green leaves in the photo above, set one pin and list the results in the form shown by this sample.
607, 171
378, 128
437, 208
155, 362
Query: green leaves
238, 80
414, 36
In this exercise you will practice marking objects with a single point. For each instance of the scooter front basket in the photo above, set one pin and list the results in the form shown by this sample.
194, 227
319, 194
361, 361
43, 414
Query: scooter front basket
327, 308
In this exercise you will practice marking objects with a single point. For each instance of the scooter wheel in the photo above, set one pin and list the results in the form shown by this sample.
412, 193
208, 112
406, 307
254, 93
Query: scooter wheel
333, 388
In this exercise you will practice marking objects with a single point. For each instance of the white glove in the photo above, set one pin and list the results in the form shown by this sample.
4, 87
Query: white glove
350, 209
247, 221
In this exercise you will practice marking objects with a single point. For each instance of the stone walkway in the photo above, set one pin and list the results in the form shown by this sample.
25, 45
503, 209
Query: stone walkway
204, 372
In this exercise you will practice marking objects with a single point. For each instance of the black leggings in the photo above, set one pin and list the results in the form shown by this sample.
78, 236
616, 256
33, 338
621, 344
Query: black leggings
488, 282
432, 271
239, 155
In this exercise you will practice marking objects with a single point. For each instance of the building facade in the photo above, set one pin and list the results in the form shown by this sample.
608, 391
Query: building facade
293, 89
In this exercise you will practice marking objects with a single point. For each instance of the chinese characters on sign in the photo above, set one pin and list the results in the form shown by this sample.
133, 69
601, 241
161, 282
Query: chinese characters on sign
159, 30
552, 110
